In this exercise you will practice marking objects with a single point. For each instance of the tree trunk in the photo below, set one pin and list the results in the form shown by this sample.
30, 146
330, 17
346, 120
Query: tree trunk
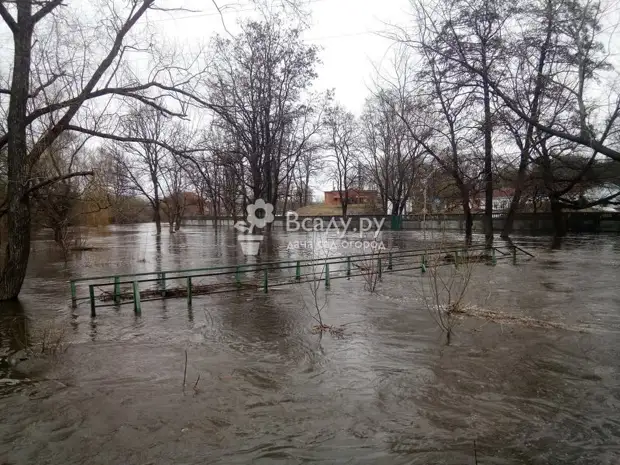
469, 225
306, 188
284, 205
58, 235
469, 220
488, 163
559, 228
18, 173
516, 199
18, 243
215, 208
157, 216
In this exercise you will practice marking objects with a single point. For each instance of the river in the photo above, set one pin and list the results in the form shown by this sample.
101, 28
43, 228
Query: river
536, 384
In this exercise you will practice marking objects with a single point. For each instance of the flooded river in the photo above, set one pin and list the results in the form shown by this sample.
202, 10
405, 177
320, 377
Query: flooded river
538, 384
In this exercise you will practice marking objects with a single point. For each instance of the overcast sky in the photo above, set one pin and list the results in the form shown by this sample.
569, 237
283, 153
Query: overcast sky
348, 31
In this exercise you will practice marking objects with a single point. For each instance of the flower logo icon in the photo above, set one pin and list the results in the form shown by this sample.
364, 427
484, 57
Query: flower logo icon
261, 222
250, 243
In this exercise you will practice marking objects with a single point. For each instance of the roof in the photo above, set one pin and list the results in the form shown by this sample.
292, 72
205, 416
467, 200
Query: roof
356, 191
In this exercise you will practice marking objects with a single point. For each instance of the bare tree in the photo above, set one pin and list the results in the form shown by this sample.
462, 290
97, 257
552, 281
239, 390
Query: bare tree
444, 288
342, 134
62, 85
392, 155
256, 88
55, 203
577, 36
437, 106
571, 63
147, 162
124, 205
174, 183
470, 30
309, 165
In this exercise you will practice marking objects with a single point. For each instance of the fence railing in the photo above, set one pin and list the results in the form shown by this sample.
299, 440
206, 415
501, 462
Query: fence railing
115, 290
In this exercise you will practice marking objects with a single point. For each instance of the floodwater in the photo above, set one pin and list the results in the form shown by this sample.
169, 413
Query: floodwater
538, 384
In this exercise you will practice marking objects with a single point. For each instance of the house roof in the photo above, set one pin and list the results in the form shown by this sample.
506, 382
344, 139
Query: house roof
354, 191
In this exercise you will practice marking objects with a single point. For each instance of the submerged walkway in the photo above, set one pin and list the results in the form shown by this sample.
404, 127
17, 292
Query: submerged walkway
115, 290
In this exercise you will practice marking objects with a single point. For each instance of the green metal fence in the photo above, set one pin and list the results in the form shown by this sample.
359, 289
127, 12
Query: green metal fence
136, 288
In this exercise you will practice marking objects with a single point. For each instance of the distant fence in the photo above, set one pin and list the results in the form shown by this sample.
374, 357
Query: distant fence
577, 222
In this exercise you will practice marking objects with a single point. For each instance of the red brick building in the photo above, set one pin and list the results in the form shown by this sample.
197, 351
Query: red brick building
356, 197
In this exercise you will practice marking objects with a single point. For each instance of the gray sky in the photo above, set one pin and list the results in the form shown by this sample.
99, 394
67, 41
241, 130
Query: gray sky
346, 30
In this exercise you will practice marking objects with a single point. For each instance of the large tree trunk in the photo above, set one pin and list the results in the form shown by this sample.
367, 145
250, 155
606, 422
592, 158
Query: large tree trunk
516, 198
559, 228
488, 161
157, 216
18, 173
18, 243
469, 221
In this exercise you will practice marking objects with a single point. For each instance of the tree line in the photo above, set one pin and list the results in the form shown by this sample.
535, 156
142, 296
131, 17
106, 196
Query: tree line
480, 94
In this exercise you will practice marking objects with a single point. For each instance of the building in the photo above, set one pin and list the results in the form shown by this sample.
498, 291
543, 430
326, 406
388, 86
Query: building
356, 197
193, 204
501, 199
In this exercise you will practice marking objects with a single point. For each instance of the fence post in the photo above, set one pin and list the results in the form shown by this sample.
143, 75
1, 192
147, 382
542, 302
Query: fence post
298, 271
136, 299
379, 265
327, 276
91, 293
348, 266
163, 284
117, 290
265, 281
189, 291
389, 261
514, 255
493, 259
73, 295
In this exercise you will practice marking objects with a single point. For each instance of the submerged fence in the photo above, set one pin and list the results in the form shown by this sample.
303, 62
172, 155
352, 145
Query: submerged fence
574, 222
136, 288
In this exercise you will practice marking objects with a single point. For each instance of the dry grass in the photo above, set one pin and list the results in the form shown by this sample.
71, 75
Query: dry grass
49, 339
444, 285
502, 318
370, 271
318, 292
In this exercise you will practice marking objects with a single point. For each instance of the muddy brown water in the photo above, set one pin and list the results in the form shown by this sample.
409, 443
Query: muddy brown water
271, 391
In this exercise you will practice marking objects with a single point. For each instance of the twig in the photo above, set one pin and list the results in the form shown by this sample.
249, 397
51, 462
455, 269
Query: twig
475, 454
196, 384
206, 312
185, 370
